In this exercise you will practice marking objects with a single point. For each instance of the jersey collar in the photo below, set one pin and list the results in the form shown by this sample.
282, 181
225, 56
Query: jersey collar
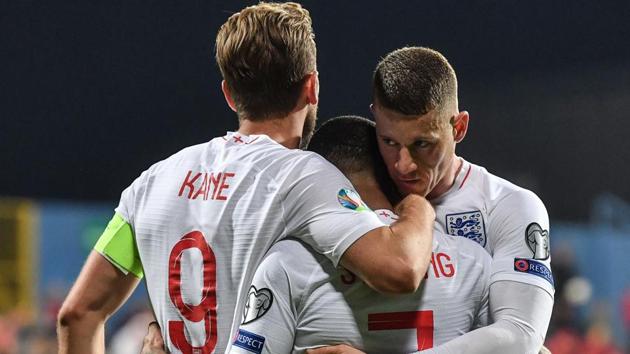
242, 139
461, 180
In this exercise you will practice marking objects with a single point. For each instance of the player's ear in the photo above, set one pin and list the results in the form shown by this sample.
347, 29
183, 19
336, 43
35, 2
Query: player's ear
310, 90
228, 95
460, 126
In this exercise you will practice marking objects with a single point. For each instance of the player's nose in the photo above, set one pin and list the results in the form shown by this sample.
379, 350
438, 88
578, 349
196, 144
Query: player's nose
405, 164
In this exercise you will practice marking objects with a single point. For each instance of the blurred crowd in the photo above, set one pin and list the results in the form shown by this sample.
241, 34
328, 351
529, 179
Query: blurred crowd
22, 332
575, 326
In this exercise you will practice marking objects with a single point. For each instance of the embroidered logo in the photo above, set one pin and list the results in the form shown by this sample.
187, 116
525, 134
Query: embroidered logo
249, 341
257, 305
351, 200
530, 266
468, 224
537, 240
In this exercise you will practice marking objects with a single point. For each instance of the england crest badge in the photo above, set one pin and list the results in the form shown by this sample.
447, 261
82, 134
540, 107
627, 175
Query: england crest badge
468, 224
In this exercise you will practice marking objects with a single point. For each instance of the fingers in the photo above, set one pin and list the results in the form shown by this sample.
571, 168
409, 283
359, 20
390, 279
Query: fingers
153, 342
335, 349
323, 350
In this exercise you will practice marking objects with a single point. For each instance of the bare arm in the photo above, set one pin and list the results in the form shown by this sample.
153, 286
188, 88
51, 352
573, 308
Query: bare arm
394, 259
99, 291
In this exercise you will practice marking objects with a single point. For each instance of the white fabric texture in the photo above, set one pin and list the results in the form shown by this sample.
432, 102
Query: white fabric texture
505, 212
515, 231
204, 218
514, 329
315, 304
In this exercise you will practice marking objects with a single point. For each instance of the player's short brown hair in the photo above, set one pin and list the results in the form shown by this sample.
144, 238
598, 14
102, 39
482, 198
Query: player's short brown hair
264, 53
414, 81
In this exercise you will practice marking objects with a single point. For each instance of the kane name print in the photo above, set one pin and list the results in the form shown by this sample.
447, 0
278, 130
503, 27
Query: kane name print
206, 185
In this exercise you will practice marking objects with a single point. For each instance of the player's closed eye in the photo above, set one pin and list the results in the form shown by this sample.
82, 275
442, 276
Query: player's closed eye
389, 142
421, 144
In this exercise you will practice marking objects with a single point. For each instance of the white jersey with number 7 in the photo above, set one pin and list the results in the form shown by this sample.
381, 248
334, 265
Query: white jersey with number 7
299, 300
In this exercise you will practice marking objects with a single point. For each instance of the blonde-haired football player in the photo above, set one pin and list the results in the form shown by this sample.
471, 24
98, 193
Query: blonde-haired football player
198, 223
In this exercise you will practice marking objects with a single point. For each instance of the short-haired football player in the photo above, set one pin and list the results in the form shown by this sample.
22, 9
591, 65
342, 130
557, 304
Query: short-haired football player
198, 223
418, 124
299, 300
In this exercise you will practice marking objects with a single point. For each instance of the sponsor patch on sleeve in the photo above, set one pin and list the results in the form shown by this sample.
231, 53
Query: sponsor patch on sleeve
249, 341
531, 266
351, 200
537, 240
259, 301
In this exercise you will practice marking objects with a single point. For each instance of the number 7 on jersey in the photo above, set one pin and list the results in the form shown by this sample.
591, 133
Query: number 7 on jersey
422, 321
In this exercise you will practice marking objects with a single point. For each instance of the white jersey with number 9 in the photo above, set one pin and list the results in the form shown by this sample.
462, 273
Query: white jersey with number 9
204, 218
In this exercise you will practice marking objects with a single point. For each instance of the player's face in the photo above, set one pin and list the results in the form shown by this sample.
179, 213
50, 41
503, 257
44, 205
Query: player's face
418, 150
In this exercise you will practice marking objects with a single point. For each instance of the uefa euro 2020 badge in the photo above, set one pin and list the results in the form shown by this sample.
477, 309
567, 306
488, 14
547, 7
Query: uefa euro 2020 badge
351, 200
468, 224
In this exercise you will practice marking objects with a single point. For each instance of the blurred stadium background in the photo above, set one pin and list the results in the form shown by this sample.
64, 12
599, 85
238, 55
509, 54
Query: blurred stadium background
93, 93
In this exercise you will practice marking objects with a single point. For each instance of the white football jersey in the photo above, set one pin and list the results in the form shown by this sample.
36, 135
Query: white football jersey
300, 300
204, 218
510, 222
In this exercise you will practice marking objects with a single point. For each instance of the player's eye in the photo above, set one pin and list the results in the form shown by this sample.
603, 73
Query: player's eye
421, 144
389, 142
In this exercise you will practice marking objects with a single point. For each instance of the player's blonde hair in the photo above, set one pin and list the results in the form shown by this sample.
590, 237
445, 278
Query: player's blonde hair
264, 53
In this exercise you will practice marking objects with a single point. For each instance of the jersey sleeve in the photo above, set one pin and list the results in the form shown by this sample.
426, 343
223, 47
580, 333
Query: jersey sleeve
516, 329
322, 209
482, 318
118, 245
270, 314
127, 206
520, 225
